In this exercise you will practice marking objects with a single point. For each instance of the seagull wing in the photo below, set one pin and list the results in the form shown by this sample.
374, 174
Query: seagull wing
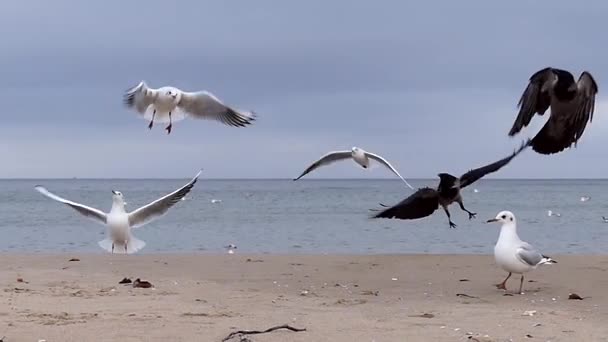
204, 105
474, 175
140, 97
420, 204
536, 98
92, 213
529, 255
158, 208
325, 160
387, 164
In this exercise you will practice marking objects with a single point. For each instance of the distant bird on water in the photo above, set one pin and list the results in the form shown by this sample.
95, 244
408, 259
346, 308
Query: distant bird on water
119, 222
512, 254
425, 201
605, 219
359, 155
572, 104
169, 104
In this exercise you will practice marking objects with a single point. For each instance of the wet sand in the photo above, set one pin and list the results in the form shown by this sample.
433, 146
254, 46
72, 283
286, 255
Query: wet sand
198, 297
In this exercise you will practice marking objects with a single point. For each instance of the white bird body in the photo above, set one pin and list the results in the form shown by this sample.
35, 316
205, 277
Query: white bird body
505, 251
119, 222
511, 253
358, 155
170, 104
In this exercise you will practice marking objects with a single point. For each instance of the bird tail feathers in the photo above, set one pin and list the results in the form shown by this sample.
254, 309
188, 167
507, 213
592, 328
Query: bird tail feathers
133, 246
547, 260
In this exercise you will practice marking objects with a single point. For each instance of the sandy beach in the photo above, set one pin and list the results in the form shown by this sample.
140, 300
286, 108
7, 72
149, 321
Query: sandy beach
336, 298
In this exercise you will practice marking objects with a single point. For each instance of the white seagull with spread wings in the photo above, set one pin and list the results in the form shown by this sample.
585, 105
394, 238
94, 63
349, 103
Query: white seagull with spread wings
169, 104
119, 222
359, 155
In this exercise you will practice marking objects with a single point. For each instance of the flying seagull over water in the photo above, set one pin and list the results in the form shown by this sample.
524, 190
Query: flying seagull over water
512, 254
359, 155
169, 104
119, 222
425, 201
572, 104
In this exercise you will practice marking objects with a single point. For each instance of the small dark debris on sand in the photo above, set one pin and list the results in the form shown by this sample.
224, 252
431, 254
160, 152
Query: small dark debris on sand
575, 296
424, 315
74, 259
370, 292
465, 295
241, 333
125, 281
254, 260
465, 279
142, 284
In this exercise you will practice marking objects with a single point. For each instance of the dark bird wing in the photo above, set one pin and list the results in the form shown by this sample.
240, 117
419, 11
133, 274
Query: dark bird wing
420, 204
474, 175
535, 99
568, 119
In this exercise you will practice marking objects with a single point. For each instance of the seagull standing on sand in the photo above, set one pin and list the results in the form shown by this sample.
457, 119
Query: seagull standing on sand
572, 104
169, 104
425, 201
359, 155
513, 254
119, 222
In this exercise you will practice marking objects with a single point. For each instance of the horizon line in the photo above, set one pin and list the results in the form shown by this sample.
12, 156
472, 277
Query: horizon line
278, 179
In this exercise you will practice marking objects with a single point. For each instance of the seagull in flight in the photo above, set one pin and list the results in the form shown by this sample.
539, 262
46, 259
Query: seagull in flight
359, 155
169, 104
572, 104
426, 200
120, 222
512, 254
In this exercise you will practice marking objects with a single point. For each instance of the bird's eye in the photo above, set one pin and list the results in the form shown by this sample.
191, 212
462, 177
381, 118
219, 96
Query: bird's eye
504, 216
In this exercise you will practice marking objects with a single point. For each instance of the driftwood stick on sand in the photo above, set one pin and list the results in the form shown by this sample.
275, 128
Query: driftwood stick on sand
253, 332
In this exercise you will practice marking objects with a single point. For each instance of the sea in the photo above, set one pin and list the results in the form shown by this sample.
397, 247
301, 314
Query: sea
309, 216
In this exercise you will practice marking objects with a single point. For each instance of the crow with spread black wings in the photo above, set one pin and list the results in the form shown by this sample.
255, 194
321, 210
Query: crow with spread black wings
426, 200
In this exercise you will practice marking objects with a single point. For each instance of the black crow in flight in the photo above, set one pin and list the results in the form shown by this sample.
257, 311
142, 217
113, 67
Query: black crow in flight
572, 104
425, 201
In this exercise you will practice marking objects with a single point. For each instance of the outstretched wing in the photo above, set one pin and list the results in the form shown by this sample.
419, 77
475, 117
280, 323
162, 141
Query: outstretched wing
473, 175
158, 208
204, 105
140, 97
420, 204
92, 213
388, 165
536, 98
325, 160
586, 91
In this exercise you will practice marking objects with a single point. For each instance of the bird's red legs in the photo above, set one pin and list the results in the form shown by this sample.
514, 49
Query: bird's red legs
503, 285
152, 121
168, 128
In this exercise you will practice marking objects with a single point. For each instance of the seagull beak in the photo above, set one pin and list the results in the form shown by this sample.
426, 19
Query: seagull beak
114, 192
491, 220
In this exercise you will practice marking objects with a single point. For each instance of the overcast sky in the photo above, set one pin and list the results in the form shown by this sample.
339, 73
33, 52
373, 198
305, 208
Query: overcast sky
431, 85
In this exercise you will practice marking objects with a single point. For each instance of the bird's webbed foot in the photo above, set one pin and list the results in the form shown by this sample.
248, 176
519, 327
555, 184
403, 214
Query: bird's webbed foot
471, 215
452, 224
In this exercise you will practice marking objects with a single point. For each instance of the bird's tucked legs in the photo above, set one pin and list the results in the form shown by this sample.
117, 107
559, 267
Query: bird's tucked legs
168, 128
521, 284
152, 121
452, 224
471, 215
503, 285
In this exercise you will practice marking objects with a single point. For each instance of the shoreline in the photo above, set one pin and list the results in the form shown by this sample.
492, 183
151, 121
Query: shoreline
381, 297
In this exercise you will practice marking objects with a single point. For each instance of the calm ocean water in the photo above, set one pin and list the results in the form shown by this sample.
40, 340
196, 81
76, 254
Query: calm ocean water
308, 216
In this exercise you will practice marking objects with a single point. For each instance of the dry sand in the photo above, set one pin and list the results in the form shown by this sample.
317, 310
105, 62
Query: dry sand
336, 298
